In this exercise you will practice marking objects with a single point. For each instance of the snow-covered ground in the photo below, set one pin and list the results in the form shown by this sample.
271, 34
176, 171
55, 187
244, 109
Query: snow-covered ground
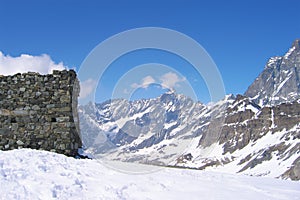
32, 174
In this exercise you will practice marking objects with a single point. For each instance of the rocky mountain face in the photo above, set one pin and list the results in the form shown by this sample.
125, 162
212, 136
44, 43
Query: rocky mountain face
256, 134
279, 82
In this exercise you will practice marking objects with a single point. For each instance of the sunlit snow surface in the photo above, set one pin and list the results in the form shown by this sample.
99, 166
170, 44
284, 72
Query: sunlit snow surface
32, 174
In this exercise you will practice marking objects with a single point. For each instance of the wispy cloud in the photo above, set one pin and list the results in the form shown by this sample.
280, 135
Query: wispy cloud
28, 63
146, 81
87, 87
168, 80
171, 80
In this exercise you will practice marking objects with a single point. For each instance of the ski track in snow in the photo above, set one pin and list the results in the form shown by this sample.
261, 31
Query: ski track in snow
31, 174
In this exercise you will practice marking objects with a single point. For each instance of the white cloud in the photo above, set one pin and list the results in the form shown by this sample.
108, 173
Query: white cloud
135, 85
146, 81
42, 64
171, 80
87, 87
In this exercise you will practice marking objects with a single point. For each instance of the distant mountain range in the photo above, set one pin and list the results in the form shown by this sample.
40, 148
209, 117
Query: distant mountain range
257, 133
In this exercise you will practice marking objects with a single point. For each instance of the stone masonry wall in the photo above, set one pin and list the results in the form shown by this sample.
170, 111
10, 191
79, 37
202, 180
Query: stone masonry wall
40, 112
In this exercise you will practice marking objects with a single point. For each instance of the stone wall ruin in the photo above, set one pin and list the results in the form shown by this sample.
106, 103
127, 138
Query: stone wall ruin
40, 112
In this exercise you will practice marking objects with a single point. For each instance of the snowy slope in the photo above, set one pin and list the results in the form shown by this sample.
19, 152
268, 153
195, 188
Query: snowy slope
255, 159
253, 141
31, 174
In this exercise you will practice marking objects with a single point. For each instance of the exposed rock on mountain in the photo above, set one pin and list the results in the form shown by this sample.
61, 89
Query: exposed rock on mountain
254, 141
279, 82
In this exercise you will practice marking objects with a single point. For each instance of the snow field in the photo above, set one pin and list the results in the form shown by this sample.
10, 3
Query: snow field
32, 174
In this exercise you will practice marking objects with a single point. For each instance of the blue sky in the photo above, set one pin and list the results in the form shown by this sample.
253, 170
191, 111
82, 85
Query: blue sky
240, 36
